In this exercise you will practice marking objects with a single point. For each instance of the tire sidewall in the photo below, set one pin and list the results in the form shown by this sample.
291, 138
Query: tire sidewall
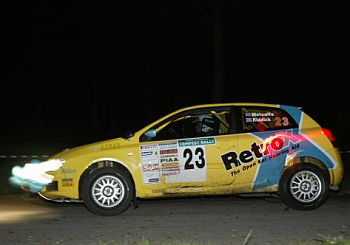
89, 202
288, 198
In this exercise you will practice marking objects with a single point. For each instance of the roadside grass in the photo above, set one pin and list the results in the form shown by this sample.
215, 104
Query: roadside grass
324, 240
330, 240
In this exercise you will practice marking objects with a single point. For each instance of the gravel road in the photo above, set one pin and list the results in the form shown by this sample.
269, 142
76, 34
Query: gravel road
26, 219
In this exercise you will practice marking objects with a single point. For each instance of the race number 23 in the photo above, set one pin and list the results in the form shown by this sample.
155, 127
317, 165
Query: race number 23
193, 164
194, 158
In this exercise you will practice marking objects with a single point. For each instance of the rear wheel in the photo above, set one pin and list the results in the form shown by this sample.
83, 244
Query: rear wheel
304, 187
107, 191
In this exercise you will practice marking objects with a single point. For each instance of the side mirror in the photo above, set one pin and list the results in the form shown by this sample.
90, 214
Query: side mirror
151, 133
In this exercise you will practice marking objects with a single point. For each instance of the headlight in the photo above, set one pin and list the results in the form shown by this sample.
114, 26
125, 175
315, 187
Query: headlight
36, 173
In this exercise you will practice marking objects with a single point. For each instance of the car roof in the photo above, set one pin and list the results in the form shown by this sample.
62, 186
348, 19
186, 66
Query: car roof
235, 104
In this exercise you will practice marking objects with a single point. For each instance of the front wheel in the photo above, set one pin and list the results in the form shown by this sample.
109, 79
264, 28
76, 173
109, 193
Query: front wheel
304, 187
107, 191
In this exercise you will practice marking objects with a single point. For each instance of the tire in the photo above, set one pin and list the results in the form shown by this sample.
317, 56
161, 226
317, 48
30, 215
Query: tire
107, 191
304, 187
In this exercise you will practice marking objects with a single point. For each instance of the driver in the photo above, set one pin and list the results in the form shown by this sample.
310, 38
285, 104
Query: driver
204, 125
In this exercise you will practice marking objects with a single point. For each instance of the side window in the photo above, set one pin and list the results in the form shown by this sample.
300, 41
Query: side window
171, 129
205, 125
196, 123
257, 119
211, 123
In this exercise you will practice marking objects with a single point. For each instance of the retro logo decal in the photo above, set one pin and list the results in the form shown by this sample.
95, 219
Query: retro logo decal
272, 147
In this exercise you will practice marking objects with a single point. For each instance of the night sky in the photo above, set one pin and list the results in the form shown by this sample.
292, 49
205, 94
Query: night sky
75, 72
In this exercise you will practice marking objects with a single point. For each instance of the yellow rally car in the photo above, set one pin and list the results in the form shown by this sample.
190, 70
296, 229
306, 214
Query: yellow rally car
210, 149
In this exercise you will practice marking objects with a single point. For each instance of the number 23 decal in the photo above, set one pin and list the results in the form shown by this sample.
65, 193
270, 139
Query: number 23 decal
188, 156
281, 121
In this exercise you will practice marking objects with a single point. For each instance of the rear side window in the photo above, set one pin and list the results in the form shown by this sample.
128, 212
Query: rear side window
258, 119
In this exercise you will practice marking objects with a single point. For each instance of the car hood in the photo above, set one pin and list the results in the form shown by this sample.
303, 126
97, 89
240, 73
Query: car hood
90, 148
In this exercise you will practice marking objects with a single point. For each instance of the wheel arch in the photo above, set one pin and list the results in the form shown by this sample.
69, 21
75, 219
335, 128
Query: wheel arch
103, 163
307, 160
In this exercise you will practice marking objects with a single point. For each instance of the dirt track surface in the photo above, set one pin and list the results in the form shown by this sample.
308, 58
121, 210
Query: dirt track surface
206, 220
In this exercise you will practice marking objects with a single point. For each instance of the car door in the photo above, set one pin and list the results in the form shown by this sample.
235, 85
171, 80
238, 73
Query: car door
189, 148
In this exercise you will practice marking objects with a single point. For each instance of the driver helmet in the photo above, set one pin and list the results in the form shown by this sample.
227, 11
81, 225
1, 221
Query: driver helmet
204, 124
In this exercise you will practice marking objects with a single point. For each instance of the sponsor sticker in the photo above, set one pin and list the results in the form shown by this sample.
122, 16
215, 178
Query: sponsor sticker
178, 161
150, 164
68, 171
67, 182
